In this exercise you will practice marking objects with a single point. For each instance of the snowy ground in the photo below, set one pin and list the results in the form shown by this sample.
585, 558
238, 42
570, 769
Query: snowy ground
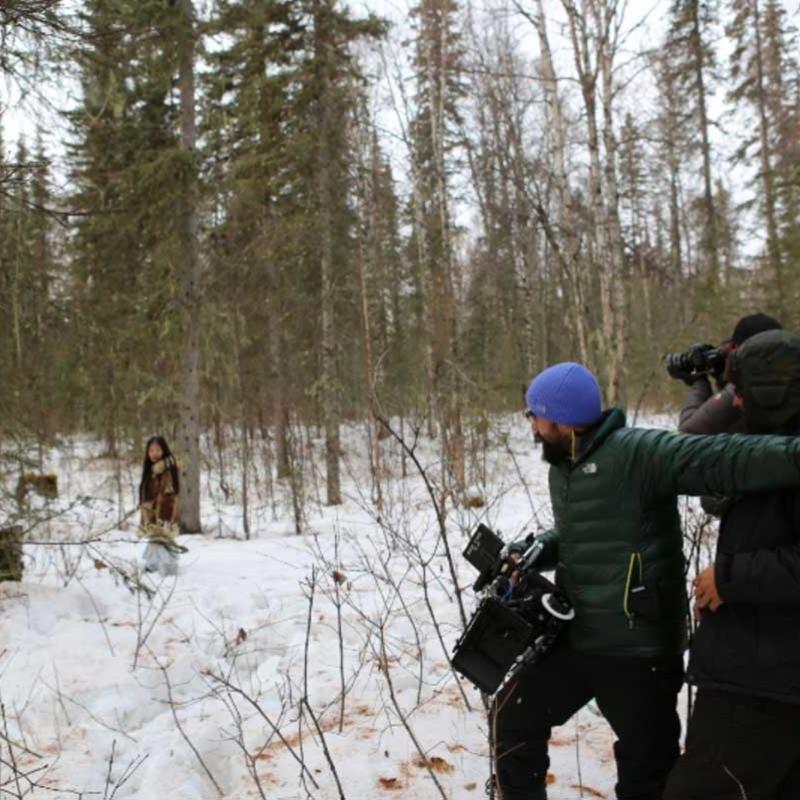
274, 667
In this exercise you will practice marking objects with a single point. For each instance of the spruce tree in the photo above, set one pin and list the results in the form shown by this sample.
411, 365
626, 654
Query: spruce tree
33, 309
129, 176
761, 90
438, 68
328, 92
692, 63
256, 162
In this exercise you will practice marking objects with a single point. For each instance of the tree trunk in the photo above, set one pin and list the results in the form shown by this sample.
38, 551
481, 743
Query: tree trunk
368, 230
767, 176
275, 349
330, 387
605, 21
448, 394
602, 183
189, 418
712, 238
571, 265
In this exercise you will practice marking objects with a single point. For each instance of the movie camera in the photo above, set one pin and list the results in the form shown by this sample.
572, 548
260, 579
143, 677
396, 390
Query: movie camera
698, 360
519, 618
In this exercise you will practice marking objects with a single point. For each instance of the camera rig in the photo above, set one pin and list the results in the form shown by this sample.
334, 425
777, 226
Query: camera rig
698, 360
520, 616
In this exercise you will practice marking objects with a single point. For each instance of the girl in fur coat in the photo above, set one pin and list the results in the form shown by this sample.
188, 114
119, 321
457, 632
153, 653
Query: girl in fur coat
158, 500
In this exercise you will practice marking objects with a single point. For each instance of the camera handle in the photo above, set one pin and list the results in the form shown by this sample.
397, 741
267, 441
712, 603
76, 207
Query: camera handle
530, 556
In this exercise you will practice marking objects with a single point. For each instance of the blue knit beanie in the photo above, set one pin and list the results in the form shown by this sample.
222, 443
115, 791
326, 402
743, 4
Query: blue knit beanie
567, 394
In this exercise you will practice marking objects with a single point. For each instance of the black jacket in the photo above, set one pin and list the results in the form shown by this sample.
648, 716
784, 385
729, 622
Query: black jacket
751, 644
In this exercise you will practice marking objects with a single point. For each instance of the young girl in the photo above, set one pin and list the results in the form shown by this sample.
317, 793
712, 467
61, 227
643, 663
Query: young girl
158, 501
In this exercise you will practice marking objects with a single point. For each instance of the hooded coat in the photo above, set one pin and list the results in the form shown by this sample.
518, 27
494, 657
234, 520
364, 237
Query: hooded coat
751, 644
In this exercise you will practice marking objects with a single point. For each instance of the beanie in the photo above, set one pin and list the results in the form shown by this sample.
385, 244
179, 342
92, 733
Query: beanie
567, 394
751, 325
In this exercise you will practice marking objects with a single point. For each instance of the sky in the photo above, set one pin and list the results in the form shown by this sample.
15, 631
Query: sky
22, 117
646, 22
645, 17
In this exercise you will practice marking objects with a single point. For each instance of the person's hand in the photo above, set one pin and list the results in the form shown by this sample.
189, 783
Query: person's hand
515, 557
706, 596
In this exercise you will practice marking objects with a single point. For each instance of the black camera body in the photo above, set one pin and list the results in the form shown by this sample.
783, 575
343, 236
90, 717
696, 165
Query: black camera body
698, 360
518, 620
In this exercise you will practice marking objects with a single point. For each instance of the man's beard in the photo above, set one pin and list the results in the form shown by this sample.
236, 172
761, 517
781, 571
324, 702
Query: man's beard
552, 452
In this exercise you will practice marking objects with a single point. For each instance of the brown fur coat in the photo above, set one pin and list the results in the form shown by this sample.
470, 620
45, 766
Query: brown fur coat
160, 503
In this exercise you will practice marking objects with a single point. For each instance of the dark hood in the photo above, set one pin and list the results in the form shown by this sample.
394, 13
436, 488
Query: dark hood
766, 372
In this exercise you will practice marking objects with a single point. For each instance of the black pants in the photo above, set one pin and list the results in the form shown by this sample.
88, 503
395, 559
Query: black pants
738, 748
638, 697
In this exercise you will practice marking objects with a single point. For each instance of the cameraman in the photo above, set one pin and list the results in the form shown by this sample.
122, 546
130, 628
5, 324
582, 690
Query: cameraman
744, 735
617, 550
704, 411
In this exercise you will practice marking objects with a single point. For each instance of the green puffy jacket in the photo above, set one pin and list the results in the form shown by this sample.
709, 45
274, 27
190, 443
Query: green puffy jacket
617, 544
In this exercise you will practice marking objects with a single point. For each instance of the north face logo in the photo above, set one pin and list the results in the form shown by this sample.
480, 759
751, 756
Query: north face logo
589, 469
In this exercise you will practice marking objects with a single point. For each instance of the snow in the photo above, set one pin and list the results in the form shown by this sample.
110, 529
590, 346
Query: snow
249, 628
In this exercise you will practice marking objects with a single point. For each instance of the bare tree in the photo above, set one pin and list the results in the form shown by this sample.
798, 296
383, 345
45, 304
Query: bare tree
594, 29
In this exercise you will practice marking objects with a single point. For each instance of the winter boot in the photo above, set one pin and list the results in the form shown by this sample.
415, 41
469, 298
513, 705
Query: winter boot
537, 793
534, 793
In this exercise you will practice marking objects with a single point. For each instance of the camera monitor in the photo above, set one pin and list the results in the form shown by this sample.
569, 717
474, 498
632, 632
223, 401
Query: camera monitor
483, 552
490, 645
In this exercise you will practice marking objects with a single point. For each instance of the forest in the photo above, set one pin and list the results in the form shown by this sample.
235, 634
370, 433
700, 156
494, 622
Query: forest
260, 215
322, 246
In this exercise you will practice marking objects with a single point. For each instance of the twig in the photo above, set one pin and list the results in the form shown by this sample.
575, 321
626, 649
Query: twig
250, 759
110, 767
142, 639
312, 586
439, 636
14, 769
130, 770
387, 673
92, 716
515, 462
441, 516
578, 754
340, 636
97, 612
225, 682
178, 725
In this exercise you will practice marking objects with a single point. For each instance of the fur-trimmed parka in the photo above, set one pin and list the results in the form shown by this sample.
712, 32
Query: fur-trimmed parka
160, 500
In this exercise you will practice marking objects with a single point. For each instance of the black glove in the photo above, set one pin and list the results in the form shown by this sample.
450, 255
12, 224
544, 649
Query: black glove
684, 366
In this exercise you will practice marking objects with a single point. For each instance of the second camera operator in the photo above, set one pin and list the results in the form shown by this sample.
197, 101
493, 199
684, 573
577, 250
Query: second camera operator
704, 411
